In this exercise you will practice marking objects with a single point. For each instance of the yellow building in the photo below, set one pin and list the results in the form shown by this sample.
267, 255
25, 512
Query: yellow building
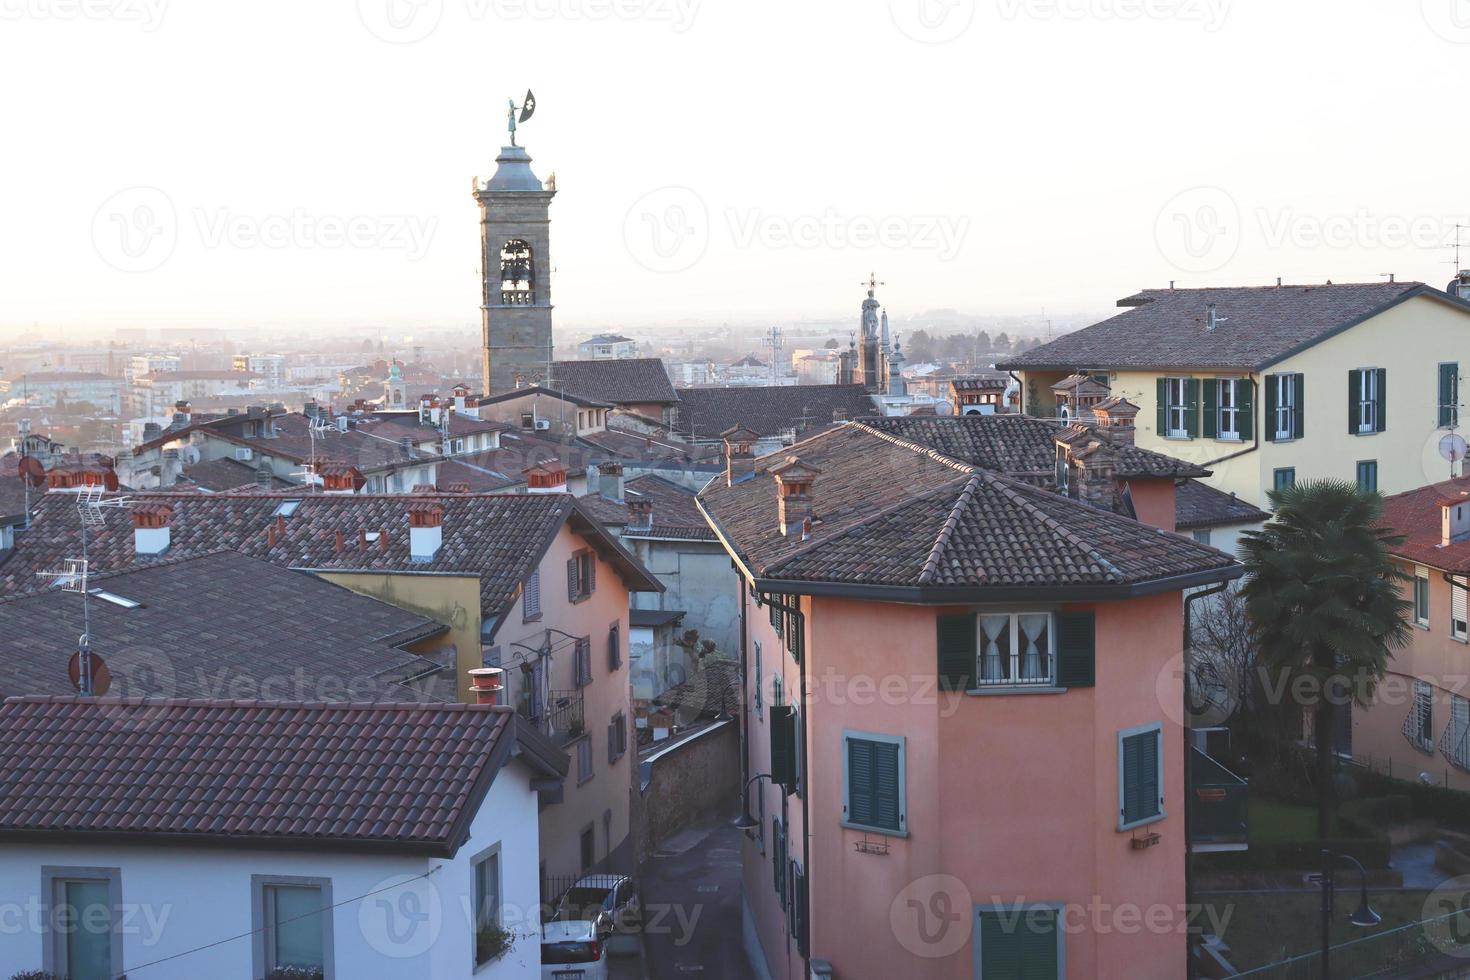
1265, 386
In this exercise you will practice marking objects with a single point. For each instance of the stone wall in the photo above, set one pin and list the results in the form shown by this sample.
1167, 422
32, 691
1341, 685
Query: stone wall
684, 780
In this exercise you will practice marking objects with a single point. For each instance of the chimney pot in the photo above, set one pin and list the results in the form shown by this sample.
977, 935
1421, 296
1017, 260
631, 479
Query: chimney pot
487, 684
151, 534
610, 480
425, 529
794, 481
640, 514
1454, 517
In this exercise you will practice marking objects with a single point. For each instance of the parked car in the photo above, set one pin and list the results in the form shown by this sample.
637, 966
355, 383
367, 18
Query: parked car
573, 949
611, 899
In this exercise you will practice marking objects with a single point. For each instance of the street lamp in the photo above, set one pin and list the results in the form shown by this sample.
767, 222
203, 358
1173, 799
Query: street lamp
745, 821
1363, 916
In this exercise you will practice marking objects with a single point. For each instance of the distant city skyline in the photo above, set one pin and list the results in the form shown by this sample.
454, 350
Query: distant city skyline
197, 168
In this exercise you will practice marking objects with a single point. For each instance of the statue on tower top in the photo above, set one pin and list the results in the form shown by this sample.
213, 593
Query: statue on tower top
870, 309
519, 113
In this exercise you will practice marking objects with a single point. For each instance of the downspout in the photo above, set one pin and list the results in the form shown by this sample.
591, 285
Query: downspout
806, 790
1191, 937
740, 596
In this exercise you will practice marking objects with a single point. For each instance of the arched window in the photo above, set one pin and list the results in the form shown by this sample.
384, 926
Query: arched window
517, 273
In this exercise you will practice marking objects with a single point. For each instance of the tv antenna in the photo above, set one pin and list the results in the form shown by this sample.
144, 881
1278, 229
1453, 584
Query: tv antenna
88, 669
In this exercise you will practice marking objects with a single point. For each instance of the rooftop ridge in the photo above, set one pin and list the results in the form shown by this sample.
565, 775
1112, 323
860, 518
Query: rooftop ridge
946, 530
222, 704
1008, 488
917, 447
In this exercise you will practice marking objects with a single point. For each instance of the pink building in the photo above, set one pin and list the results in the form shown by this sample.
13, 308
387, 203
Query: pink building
963, 724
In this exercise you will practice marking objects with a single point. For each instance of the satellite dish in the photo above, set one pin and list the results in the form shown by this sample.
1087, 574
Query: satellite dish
528, 106
101, 676
32, 470
943, 408
1452, 447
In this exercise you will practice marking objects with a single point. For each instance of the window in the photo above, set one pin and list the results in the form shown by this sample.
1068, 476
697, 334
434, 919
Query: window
82, 922
1014, 942
1140, 772
1284, 398
1365, 400
1283, 478
617, 737
1368, 475
760, 682
1202, 535
582, 662
584, 759
531, 597
614, 646
589, 846
793, 631
1016, 648
293, 923
783, 767
1178, 407
485, 872
778, 858
1449, 395
1229, 409
1421, 597
459, 445
873, 783
1458, 630
1063, 471
1456, 745
581, 575
1419, 725
797, 918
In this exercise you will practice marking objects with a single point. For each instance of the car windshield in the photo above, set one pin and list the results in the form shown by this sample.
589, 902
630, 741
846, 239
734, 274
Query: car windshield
582, 900
557, 953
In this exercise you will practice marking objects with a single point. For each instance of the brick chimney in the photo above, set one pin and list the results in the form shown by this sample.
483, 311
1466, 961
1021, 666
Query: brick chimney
739, 453
151, 528
487, 684
546, 477
425, 529
1116, 417
794, 481
640, 513
1454, 519
610, 481
1096, 465
340, 479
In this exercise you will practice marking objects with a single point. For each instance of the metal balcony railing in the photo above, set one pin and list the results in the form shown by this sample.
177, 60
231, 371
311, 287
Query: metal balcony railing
564, 715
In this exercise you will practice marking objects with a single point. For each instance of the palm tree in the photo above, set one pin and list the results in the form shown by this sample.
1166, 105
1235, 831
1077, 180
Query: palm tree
1326, 602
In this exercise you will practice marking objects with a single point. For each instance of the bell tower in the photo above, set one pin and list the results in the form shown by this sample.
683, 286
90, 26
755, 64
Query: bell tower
515, 259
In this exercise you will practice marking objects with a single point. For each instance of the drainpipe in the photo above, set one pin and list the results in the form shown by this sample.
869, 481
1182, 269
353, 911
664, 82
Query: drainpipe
741, 598
806, 790
1191, 939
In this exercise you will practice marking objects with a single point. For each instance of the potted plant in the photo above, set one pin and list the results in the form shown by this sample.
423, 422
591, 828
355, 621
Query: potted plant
492, 941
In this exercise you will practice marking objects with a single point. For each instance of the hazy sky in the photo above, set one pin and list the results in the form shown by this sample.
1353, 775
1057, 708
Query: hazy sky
283, 163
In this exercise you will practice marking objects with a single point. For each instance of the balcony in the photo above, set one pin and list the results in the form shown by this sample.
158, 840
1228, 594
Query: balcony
563, 720
1217, 806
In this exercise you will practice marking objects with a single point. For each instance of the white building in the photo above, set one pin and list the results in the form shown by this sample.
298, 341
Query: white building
141, 364
157, 394
341, 838
61, 388
270, 367
608, 346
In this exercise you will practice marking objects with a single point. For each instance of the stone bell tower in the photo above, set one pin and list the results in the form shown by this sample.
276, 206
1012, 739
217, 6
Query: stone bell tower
515, 258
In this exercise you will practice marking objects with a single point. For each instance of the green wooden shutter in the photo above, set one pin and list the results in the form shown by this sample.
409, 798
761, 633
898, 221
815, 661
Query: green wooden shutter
1140, 776
861, 803
1355, 385
1273, 398
1381, 375
1446, 377
799, 902
1037, 938
1076, 649
783, 746
1299, 406
1212, 407
1000, 950
1163, 407
956, 644
793, 633
1191, 404
778, 858
1245, 394
887, 807
1018, 944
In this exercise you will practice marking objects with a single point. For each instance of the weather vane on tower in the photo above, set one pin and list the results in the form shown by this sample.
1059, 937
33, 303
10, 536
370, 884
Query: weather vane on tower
525, 110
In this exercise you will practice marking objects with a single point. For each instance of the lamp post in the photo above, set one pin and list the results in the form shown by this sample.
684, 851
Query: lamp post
745, 821
1363, 916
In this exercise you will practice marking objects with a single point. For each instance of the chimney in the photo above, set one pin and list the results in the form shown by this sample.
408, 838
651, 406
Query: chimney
610, 481
640, 513
487, 684
405, 447
1097, 473
263, 477
425, 529
150, 528
546, 477
1454, 520
739, 454
1460, 285
1115, 420
794, 481
340, 479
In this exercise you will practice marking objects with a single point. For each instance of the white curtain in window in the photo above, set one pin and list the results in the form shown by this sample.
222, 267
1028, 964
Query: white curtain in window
1034, 652
995, 647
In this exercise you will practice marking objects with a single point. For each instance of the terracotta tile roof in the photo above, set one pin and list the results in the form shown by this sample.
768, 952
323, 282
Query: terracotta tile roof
622, 381
224, 474
1018, 445
675, 511
13, 497
496, 537
1258, 326
361, 446
769, 409
1416, 515
221, 623
1198, 505
405, 777
893, 513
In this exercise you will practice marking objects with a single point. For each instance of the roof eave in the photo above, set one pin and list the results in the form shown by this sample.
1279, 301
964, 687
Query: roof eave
963, 594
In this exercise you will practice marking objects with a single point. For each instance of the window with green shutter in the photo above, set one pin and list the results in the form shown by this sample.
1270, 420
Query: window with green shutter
794, 637
956, 651
1076, 649
1228, 409
778, 858
1449, 395
1019, 943
1284, 400
800, 927
783, 746
873, 783
1178, 408
1368, 475
1367, 400
1140, 775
